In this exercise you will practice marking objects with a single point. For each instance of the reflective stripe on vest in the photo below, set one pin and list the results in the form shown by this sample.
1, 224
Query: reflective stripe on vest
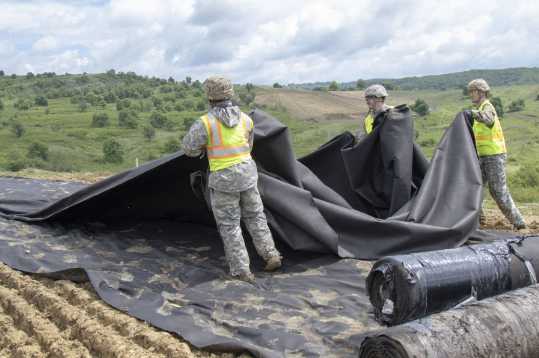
227, 146
489, 141
368, 122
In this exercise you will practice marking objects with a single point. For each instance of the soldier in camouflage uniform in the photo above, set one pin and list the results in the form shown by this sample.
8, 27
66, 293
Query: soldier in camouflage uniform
226, 135
492, 152
375, 96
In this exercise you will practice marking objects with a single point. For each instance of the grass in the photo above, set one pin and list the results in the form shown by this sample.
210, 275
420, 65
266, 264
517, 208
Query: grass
74, 146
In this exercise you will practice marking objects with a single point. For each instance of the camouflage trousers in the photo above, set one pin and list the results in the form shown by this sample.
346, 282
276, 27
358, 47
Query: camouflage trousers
228, 209
493, 172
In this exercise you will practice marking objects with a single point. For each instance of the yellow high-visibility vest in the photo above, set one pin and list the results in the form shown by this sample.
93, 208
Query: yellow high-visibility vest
227, 146
488, 141
368, 122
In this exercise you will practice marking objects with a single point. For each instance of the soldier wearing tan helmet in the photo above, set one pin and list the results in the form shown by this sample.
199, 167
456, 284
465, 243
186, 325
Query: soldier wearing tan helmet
226, 135
375, 96
492, 152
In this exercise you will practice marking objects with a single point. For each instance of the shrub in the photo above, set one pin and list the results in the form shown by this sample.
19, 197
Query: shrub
128, 119
498, 106
83, 106
112, 152
1, 105
159, 120
333, 86
188, 104
100, 120
247, 97
23, 104
277, 85
41, 101
17, 129
420, 107
201, 106
123, 104
15, 162
516, 106
526, 177
38, 151
148, 132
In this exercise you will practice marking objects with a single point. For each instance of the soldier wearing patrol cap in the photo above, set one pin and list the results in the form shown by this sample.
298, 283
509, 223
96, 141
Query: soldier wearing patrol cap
375, 96
226, 135
490, 144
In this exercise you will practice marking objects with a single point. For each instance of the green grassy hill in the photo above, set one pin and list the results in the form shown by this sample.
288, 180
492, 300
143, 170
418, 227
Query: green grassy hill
46, 121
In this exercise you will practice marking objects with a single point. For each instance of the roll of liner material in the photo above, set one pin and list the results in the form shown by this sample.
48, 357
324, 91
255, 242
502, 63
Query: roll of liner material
407, 287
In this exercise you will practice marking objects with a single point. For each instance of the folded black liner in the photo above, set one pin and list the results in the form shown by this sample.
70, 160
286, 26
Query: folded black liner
146, 238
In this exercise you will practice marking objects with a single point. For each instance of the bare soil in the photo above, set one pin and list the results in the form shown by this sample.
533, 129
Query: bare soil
40, 317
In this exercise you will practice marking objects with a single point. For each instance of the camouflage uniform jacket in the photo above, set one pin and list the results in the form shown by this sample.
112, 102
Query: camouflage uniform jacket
487, 115
361, 131
236, 178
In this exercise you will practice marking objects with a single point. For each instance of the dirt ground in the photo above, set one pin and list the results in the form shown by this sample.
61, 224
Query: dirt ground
40, 317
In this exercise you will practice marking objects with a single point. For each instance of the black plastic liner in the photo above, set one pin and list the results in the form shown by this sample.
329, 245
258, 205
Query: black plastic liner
406, 287
501, 326
147, 241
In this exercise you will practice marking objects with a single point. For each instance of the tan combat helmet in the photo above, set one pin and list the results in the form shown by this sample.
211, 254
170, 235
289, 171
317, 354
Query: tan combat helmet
479, 84
218, 88
378, 91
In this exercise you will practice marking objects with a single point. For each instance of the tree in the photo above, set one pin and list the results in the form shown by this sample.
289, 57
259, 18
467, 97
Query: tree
17, 128
22, 104
516, 106
498, 106
247, 97
100, 120
188, 122
123, 104
159, 120
171, 80
112, 152
41, 101
2, 74
333, 86
201, 106
38, 151
128, 119
389, 86
148, 132
29, 75
83, 106
188, 80
277, 85
111, 72
537, 98
249, 87
420, 107
361, 84
465, 91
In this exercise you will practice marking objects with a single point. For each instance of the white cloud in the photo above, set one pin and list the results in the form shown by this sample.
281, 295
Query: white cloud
264, 42
45, 43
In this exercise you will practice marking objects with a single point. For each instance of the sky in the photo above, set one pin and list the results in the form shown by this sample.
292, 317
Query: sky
268, 41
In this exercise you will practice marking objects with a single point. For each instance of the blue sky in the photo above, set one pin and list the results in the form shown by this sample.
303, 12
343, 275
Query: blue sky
265, 42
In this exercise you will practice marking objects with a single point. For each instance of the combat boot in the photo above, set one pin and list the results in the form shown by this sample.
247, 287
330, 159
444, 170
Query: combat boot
247, 277
273, 263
